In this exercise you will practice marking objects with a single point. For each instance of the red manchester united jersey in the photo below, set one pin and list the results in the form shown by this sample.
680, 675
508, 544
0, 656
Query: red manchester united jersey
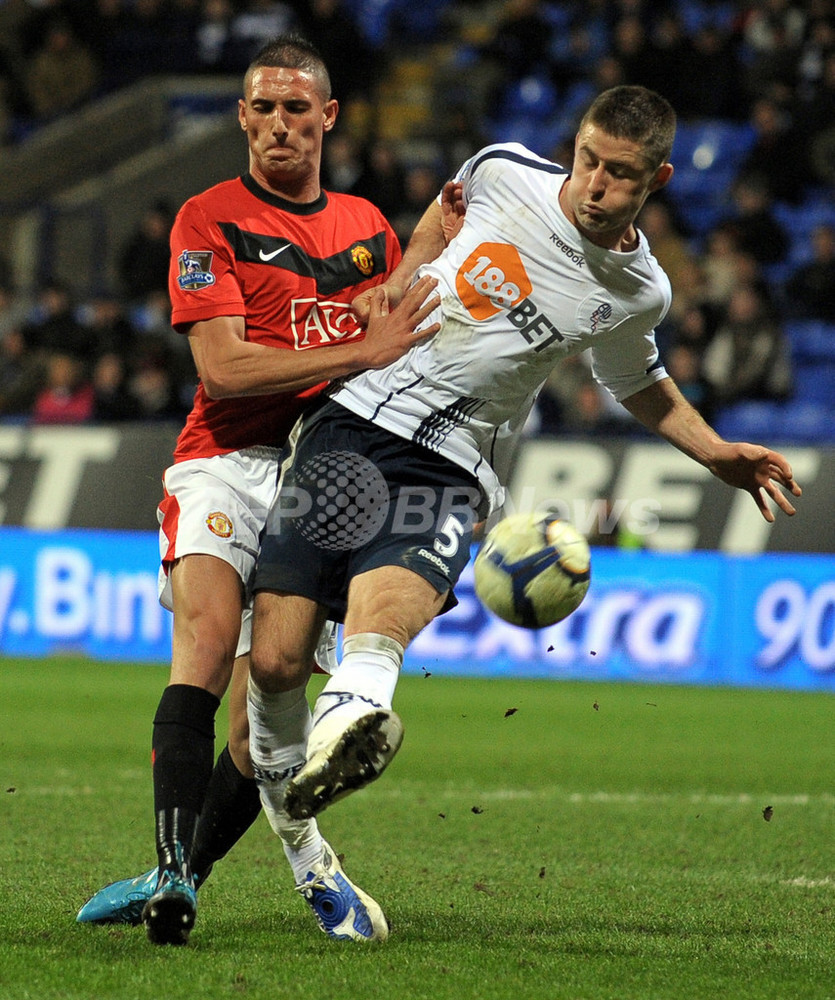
291, 270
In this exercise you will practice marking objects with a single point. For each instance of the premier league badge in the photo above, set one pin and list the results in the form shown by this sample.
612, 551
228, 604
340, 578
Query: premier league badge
195, 269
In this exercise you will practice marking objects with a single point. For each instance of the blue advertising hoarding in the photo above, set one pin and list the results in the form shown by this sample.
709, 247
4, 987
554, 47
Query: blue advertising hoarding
691, 618
91, 592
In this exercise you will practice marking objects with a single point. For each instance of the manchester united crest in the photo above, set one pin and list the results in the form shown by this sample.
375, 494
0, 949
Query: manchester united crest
363, 259
219, 524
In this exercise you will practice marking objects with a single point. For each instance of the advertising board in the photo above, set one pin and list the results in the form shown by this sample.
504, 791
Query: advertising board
694, 618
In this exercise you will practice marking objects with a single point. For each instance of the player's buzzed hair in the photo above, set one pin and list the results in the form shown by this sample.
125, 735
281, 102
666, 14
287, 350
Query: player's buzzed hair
637, 114
292, 52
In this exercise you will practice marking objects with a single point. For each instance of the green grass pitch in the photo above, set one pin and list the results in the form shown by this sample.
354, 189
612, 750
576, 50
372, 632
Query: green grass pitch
533, 839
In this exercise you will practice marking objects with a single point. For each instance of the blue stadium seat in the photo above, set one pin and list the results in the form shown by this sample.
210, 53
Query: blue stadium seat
806, 423
420, 21
800, 220
711, 143
706, 156
533, 97
695, 15
795, 422
539, 137
748, 420
811, 340
814, 382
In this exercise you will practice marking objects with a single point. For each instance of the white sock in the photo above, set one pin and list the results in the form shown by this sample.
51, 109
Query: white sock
279, 725
364, 681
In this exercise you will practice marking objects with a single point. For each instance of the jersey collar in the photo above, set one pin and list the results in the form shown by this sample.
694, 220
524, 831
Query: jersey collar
308, 208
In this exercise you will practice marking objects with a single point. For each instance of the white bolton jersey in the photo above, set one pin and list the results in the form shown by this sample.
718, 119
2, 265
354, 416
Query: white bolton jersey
520, 289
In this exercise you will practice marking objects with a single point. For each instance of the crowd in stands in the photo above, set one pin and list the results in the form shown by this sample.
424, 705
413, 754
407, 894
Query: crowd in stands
752, 270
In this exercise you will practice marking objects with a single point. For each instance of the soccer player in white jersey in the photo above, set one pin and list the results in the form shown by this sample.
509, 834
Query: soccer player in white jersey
547, 263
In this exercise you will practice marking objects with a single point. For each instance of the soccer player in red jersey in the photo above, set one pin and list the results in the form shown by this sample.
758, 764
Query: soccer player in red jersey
263, 271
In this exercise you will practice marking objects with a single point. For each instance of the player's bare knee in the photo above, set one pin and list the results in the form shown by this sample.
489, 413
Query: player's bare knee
203, 659
273, 669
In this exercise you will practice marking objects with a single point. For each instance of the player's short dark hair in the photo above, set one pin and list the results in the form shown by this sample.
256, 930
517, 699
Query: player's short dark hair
638, 114
292, 51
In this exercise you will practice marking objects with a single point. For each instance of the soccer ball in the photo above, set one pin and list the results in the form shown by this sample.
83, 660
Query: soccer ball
533, 570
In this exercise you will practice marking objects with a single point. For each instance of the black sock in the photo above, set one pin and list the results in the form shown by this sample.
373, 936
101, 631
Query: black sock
231, 806
183, 750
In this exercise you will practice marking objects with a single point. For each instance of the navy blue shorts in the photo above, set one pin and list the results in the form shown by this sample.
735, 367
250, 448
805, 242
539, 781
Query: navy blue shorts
354, 497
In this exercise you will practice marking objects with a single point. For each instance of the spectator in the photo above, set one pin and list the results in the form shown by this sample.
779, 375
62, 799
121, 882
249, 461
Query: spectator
757, 231
574, 53
143, 264
585, 412
104, 317
422, 184
684, 363
22, 374
383, 181
144, 45
342, 166
817, 45
67, 397
774, 155
697, 326
748, 357
212, 35
353, 66
665, 59
62, 73
816, 125
519, 42
52, 326
106, 28
723, 263
631, 49
711, 71
253, 26
668, 245
558, 393
772, 35
810, 289
113, 399
155, 387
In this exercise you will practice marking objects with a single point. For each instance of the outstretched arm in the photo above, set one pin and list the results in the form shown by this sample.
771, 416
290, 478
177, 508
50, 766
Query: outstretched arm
438, 225
763, 473
230, 365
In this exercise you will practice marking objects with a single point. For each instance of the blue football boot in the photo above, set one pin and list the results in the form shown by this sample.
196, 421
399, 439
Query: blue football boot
169, 914
341, 908
122, 902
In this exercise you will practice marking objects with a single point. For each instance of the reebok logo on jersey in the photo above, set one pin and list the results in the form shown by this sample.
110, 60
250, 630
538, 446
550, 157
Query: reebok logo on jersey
272, 253
568, 251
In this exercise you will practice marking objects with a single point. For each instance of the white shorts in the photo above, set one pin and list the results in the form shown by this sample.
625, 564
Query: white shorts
217, 506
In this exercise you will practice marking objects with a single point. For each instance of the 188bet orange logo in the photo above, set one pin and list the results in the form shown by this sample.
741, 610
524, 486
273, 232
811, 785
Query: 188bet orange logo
492, 278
